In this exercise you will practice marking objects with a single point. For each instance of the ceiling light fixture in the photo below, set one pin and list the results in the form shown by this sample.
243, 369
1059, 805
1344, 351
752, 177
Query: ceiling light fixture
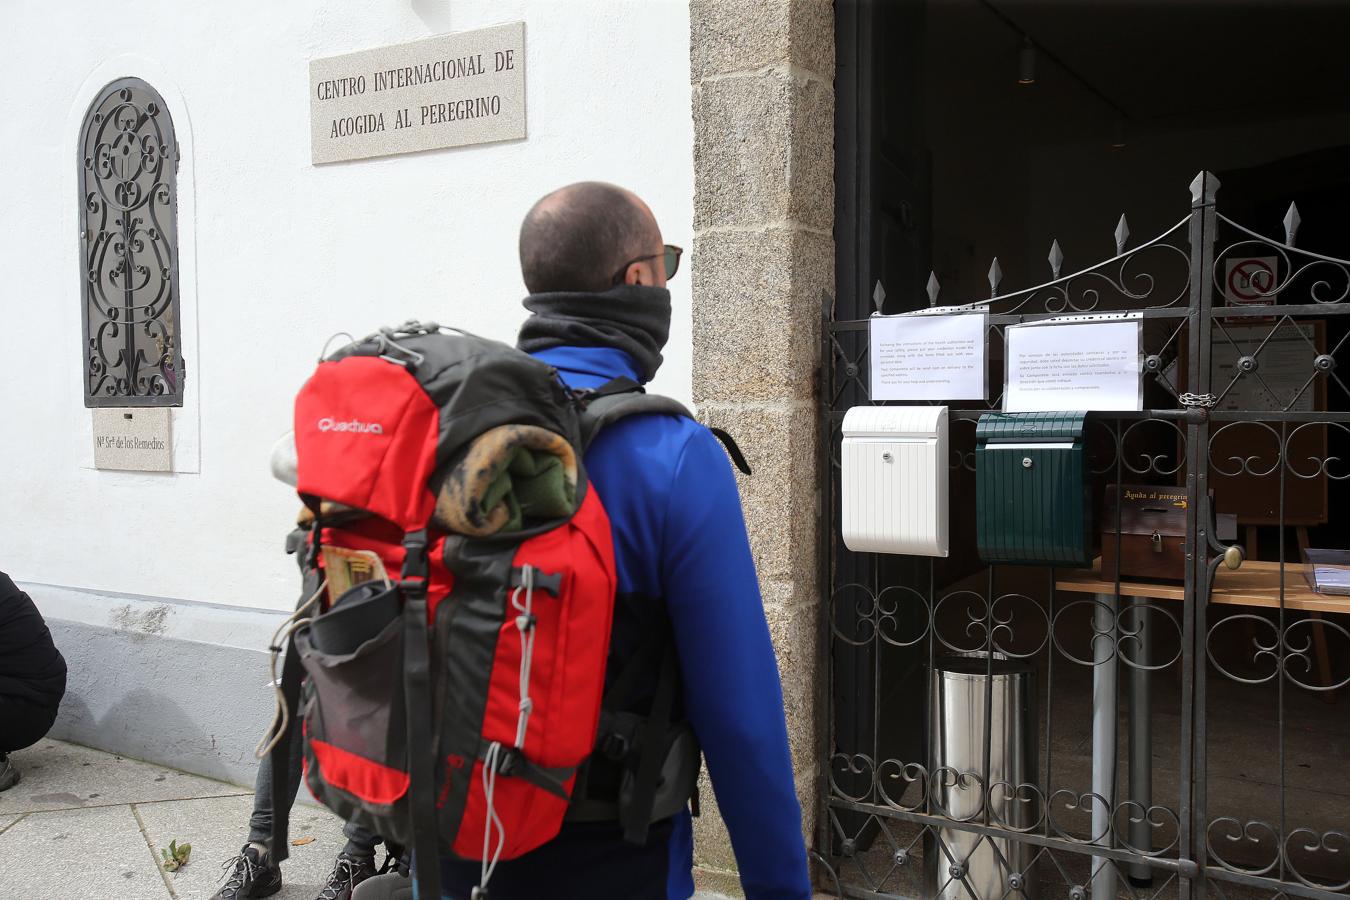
1026, 62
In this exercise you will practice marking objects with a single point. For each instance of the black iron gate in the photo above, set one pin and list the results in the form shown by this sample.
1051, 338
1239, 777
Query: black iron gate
1222, 776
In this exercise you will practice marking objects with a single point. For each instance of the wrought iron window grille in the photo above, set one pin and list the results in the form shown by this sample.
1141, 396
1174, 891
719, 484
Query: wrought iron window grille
128, 161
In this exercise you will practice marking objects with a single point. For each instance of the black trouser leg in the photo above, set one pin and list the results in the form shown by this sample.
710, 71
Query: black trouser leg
24, 723
360, 842
260, 822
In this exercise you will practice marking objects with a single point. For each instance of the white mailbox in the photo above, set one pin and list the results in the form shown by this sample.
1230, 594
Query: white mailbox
894, 462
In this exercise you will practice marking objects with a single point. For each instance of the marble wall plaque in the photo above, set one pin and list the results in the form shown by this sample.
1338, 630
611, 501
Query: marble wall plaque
450, 90
135, 439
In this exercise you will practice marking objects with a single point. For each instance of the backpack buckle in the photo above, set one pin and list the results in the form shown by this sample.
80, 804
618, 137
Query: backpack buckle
508, 761
415, 565
581, 398
615, 747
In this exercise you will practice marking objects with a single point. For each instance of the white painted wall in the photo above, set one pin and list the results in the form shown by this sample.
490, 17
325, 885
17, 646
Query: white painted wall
278, 254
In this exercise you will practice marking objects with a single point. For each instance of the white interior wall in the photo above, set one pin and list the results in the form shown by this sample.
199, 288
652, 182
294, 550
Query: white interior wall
285, 253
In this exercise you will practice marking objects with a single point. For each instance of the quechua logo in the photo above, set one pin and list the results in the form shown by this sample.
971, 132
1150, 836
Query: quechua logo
328, 423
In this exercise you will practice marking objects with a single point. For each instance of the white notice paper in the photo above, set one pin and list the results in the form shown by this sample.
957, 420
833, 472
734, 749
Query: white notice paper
1081, 366
928, 357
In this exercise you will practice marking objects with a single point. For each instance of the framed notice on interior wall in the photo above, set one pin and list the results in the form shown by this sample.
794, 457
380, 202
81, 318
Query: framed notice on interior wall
1244, 457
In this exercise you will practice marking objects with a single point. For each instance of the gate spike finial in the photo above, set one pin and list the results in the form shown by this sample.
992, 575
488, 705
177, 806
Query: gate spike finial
1056, 258
933, 288
878, 295
1291, 222
1204, 187
1122, 234
995, 276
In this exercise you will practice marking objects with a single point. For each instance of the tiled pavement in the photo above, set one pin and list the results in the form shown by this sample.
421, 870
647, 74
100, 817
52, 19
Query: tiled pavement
88, 825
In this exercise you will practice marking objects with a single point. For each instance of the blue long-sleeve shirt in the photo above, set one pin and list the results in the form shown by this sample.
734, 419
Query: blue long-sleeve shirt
679, 535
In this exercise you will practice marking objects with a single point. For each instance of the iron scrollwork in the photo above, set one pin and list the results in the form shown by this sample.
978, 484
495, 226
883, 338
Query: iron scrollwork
1045, 829
128, 200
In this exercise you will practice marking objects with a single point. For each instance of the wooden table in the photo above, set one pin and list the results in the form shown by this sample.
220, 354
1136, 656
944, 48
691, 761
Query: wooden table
1257, 583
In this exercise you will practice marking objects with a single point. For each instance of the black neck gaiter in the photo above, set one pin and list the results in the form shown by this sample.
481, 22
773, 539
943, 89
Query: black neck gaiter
631, 318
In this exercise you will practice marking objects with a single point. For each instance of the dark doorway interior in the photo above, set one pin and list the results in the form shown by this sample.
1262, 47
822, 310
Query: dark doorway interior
944, 160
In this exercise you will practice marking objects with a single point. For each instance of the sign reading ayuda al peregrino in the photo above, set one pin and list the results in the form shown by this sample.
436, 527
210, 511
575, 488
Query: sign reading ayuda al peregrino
444, 91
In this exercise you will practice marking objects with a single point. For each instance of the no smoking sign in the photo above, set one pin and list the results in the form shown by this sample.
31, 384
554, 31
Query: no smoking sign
1248, 281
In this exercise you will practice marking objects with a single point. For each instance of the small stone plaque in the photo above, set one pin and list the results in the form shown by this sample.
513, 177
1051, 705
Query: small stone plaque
444, 91
135, 439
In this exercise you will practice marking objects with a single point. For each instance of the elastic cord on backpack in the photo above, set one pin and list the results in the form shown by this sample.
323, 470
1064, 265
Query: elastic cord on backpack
496, 754
491, 760
525, 622
281, 714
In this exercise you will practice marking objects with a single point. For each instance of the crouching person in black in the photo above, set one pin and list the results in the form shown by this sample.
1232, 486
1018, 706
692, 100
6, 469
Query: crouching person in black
32, 677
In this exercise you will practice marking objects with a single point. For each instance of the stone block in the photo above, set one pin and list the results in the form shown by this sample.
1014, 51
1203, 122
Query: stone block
757, 312
79, 854
796, 642
813, 155
217, 828
763, 151
746, 35
58, 775
717, 883
712, 845
811, 29
779, 499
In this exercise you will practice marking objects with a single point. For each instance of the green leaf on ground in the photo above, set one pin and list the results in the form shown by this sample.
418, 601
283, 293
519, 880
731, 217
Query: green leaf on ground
175, 857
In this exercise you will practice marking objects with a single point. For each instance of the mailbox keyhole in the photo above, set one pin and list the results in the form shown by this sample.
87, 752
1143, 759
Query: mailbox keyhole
1026, 462
886, 457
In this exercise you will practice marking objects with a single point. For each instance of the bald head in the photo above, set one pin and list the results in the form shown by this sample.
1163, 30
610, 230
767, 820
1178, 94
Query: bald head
578, 237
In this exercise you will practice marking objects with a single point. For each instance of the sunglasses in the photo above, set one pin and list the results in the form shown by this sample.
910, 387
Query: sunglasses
671, 255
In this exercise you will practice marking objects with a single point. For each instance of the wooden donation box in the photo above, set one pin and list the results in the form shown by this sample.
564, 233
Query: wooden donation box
1032, 501
1152, 532
894, 480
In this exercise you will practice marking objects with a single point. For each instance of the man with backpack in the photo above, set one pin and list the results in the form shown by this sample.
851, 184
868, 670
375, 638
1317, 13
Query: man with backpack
555, 566
593, 259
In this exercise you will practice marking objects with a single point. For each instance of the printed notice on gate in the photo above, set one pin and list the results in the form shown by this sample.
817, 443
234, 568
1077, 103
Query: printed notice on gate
1074, 366
928, 357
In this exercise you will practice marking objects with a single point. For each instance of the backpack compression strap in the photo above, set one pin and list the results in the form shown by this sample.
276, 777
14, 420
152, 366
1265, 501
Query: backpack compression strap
417, 700
624, 397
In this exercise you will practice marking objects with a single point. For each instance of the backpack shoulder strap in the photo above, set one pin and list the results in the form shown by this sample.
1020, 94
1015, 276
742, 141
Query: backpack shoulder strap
618, 399
623, 397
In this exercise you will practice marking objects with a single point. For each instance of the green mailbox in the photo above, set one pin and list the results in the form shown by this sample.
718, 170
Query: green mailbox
1032, 501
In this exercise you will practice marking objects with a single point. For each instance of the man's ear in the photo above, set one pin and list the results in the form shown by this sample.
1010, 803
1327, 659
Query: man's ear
636, 275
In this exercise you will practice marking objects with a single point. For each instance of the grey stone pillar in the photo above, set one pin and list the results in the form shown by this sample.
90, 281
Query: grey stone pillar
763, 96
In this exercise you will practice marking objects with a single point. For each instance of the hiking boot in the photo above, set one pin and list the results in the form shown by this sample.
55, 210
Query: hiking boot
9, 773
348, 872
250, 874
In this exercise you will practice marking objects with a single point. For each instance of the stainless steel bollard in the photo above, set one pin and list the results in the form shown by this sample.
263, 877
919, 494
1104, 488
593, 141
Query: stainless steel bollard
961, 695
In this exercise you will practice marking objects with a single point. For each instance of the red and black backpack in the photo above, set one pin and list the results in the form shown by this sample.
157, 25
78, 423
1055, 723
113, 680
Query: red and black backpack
448, 658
